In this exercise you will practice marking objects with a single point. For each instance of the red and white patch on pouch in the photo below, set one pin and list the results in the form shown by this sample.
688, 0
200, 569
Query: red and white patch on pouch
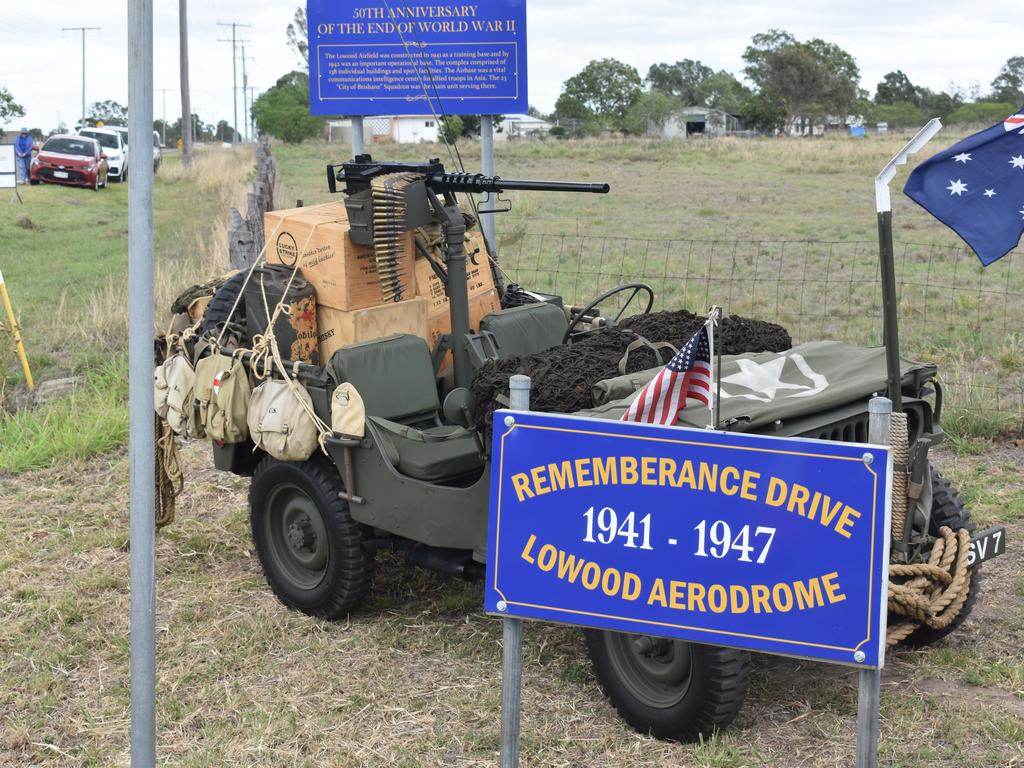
216, 382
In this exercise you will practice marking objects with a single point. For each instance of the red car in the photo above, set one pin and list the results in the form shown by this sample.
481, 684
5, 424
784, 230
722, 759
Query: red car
75, 160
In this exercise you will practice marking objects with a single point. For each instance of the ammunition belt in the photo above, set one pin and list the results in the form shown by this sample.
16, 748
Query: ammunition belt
389, 233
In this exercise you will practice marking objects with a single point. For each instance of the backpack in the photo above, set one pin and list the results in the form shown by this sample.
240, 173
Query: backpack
348, 414
207, 370
173, 384
226, 419
278, 422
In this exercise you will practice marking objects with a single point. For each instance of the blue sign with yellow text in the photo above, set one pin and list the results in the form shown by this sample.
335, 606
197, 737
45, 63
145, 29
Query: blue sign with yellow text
772, 544
417, 57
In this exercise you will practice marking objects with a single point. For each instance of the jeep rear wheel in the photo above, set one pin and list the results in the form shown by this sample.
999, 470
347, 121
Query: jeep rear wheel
948, 510
669, 688
310, 548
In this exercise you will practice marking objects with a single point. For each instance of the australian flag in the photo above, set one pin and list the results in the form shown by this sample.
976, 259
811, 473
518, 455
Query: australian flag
688, 374
976, 188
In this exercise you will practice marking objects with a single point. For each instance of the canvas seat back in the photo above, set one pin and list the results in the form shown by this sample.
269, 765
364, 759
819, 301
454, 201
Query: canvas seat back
527, 329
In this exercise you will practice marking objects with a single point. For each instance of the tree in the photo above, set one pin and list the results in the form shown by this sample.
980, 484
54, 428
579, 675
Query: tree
809, 80
899, 114
762, 112
982, 112
681, 79
451, 128
723, 91
937, 104
896, 87
108, 112
1009, 83
606, 87
283, 110
298, 37
9, 108
651, 111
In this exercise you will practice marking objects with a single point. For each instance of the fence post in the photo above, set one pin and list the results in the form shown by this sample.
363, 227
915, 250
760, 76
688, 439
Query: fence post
512, 631
869, 680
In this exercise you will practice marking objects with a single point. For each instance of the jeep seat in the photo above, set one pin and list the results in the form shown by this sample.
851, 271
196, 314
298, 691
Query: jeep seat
527, 329
395, 378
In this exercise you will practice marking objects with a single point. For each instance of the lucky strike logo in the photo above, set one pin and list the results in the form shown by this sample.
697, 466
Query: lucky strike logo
287, 249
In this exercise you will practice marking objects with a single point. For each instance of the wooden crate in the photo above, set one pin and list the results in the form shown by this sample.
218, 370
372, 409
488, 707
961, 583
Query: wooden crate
339, 327
343, 273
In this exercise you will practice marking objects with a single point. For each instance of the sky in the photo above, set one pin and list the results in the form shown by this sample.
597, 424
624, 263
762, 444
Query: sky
935, 43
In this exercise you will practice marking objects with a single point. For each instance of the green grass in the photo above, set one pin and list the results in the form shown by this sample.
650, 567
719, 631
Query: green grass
66, 268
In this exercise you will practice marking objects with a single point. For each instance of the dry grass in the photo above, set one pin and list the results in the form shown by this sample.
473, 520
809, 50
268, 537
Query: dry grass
413, 679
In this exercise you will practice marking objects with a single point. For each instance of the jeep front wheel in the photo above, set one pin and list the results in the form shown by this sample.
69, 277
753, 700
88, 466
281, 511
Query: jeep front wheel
311, 550
668, 688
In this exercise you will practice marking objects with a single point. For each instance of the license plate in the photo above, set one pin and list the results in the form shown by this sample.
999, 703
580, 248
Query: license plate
60, 174
987, 544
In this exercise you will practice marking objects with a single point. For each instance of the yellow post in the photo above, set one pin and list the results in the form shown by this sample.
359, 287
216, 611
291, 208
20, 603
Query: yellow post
17, 334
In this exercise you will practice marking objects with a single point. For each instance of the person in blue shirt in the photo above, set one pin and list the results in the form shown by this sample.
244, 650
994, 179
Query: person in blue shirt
23, 152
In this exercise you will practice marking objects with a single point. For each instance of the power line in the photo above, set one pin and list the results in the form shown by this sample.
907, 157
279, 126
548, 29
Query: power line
246, 101
234, 71
83, 30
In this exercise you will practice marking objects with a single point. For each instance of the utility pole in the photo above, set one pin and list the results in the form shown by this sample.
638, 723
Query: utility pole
234, 71
186, 103
245, 95
83, 30
163, 119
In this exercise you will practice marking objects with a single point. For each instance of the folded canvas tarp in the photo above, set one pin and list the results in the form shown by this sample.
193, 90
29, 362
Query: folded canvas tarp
761, 387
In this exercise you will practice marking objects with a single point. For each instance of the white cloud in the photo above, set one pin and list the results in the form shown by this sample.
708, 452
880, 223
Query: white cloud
943, 41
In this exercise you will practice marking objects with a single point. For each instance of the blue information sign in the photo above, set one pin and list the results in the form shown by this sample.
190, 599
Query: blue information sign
772, 544
417, 57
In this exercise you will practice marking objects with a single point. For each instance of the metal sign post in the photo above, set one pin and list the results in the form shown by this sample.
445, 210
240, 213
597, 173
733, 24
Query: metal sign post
890, 302
140, 388
869, 680
487, 168
512, 630
357, 135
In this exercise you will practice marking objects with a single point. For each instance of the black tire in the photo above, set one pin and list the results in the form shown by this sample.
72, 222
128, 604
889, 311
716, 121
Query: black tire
658, 690
310, 548
219, 308
948, 510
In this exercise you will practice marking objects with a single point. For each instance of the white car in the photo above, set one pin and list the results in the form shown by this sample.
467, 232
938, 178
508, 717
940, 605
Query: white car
157, 146
115, 145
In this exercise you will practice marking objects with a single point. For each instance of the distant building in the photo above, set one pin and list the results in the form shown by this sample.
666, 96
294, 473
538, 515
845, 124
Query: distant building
519, 126
697, 121
404, 129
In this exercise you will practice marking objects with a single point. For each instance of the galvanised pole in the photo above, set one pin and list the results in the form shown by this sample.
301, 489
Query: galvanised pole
141, 448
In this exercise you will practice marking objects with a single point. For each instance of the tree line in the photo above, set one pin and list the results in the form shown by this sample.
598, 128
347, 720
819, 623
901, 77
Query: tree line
790, 84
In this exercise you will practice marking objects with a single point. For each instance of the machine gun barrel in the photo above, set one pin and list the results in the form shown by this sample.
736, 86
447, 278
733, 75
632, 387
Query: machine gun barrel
477, 182
358, 175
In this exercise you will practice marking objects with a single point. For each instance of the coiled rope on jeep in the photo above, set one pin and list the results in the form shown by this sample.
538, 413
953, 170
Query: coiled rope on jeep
923, 594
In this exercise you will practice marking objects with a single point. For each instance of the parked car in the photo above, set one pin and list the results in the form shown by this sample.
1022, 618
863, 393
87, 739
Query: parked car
75, 160
115, 146
157, 156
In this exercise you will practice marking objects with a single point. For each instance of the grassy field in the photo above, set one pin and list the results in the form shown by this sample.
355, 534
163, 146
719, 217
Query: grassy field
413, 678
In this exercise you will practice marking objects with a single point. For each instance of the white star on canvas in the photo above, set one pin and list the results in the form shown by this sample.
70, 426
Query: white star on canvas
1017, 161
990, 193
765, 379
963, 157
956, 187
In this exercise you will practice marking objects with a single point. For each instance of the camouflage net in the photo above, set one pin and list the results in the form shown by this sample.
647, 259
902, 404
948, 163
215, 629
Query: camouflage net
562, 376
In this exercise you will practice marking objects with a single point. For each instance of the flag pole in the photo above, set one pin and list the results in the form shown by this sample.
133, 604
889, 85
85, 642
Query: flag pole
716, 365
887, 261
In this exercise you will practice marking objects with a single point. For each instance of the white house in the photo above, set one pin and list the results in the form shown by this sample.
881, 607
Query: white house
697, 121
516, 126
404, 129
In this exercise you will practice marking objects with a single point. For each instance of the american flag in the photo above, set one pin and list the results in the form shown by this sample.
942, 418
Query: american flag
688, 374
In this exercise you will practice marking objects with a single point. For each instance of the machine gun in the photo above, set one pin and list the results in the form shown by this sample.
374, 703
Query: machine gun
384, 199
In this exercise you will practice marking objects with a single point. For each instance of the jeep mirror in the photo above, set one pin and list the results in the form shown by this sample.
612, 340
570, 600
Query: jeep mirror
458, 407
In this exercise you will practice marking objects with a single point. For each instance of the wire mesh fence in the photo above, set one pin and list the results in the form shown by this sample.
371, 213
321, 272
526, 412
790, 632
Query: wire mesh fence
953, 312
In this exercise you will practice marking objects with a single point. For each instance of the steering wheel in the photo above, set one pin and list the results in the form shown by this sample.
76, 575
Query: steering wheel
585, 312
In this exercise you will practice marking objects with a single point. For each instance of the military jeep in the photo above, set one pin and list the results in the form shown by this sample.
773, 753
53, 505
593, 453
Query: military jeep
417, 480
